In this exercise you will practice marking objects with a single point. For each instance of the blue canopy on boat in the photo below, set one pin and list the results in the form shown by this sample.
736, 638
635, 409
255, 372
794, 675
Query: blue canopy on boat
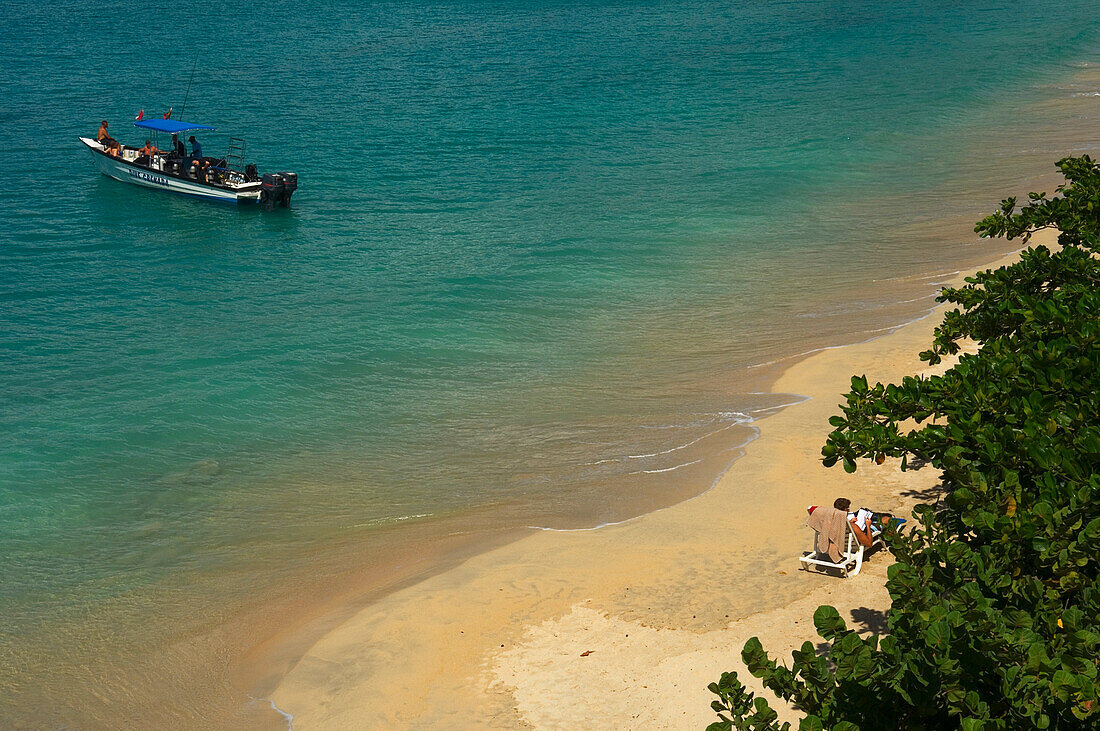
171, 126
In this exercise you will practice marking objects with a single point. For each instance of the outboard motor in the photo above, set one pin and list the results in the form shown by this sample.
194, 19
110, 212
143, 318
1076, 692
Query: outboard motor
290, 184
272, 189
277, 188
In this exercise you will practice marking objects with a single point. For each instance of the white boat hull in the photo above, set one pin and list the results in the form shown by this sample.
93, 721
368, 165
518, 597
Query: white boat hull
129, 173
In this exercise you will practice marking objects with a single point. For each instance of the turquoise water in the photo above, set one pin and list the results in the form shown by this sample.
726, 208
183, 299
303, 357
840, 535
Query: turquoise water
538, 256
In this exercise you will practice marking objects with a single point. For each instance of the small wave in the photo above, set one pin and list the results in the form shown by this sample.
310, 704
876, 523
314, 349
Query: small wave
608, 524
843, 310
745, 419
386, 521
888, 329
733, 418
582, 530
920, 278
792, 357
737, 417
707, 420
769, 409
667, 469
941, 275
1086, 93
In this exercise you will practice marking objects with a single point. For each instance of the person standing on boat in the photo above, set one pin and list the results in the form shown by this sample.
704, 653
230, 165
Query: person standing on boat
103, 138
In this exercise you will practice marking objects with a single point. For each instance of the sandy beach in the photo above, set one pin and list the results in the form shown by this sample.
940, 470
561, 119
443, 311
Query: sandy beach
624, 626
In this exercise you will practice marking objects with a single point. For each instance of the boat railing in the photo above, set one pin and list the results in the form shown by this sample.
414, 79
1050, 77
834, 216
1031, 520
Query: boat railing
234, 158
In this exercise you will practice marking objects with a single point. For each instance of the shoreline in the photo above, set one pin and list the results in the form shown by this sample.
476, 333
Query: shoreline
489, 642
262, 664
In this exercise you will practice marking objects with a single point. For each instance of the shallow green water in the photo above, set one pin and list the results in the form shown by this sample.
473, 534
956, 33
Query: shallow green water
538, 252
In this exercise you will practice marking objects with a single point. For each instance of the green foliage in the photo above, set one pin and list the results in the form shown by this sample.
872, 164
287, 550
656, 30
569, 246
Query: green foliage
738, 710
995, 616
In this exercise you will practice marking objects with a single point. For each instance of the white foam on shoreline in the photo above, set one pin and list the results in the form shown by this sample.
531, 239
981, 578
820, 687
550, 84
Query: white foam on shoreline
739, 419
742, 419
920, 277
879, 333
767, 410
666, 469
740, 448
733, 419
288, 716
395, 519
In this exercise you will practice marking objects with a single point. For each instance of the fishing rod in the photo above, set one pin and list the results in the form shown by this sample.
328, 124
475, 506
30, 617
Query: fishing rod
188, 94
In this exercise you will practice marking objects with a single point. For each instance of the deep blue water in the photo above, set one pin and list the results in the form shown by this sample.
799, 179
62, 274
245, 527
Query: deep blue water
536, 250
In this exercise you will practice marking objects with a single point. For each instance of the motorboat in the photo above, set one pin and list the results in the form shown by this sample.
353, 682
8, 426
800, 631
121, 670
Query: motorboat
226, 180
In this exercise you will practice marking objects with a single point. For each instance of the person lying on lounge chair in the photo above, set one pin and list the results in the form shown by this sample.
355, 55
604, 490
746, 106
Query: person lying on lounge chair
831, 525
860, 521
866, 520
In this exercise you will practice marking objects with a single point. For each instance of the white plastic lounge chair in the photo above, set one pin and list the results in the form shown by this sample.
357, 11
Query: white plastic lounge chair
853, 554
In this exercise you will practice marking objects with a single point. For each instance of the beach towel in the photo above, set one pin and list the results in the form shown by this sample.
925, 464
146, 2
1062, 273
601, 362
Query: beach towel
832, 530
